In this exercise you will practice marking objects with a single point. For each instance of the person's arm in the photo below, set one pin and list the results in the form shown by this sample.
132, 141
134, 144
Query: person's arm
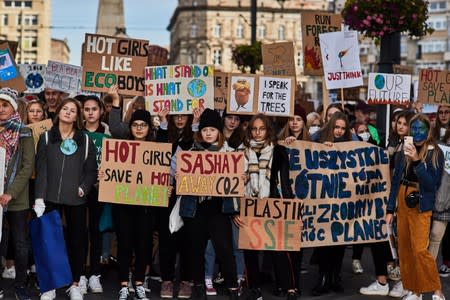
429, 176
118, 128
89, 177
41, 169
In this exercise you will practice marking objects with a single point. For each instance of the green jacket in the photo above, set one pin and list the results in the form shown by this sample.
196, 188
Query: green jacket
24, 159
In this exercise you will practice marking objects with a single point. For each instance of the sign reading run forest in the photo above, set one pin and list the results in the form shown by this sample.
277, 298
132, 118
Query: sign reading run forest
135, 173
343, 190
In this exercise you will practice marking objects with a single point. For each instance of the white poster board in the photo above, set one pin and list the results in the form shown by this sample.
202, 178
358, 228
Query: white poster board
388, 88
33, 75
63, 77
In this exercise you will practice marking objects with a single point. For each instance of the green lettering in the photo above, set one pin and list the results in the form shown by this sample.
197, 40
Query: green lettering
269, 234
88, 79
97, 76
287, 235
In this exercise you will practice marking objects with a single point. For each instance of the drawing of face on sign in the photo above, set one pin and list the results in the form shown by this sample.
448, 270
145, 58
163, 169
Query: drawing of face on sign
242, 94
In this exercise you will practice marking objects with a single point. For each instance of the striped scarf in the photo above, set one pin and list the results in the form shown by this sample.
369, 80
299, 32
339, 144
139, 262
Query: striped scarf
258, 169
9, 135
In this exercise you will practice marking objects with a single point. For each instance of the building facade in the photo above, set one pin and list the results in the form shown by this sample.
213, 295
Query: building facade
28, 23
60, 51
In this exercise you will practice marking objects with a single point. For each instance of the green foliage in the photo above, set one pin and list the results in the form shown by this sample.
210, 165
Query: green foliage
247, 56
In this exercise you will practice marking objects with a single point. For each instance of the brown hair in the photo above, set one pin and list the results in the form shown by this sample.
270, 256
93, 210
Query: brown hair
174, 133
78, 124
220, 138
286, 131
40, 103
439, 125
327, 132
270, 131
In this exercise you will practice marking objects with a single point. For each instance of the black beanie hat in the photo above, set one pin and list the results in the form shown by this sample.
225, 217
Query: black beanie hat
141, 115
210, 118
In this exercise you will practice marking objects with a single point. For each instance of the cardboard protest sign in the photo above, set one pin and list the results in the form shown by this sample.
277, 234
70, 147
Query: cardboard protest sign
220, 90
108, 60
97, 139
136, 173
389, 88
180, 88
157, 56
313, 24
208, 173
252, 94
340, 59
63, 77
38, 128
401, 69
434, 87
13, 45
278, 59
446, 151
33, 75
343, 190
271, 224
9, 72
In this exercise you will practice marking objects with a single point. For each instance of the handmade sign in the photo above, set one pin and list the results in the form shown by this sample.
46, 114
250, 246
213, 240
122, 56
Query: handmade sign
401, 69
446, 151
33, 75
38, 128
63, 77
207, 173
111, 60
278, 59
135, 172
270, 224
9, 72
252, 94
97, 139
157, 56
313, 24
340, 58
434, 87
220, 90
389, 89
13, 45
179, 88
343, 190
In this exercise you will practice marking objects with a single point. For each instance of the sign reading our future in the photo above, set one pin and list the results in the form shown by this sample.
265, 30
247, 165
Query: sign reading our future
389, 88
135, 172
434, 87
179, 88
111, 60
343, 190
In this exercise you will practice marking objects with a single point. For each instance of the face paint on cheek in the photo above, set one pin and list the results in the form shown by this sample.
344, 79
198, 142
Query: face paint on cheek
419, 131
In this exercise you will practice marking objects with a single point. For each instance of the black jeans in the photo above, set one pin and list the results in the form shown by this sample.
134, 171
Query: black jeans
330, 258
19, 241
133, 225
75, 234
95, 209
446, 245
381, 253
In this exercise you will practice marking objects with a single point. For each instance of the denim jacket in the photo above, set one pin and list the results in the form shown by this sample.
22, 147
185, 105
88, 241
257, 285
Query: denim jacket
429, 180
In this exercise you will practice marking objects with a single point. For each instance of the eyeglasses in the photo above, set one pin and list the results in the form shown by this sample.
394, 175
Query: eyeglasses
444, 112
261, 129
139, 126
340, 127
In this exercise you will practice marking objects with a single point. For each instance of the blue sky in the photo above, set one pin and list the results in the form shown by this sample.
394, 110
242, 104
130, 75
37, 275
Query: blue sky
144, 19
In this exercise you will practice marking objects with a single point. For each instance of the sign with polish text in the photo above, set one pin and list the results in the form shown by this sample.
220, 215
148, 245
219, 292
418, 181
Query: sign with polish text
63, 77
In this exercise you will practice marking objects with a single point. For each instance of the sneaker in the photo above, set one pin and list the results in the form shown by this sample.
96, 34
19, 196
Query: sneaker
436, 297
393, 272
2, 294
140, 293
130, 283
444, 271
94, 284
155, 276
82, 284
210, 290
241, 286
219, 279
375, 289
146, 285
124, 293
49, 295
74, 293
166, 290
255, 294
9, 273
398, 291
21, 293
356, 267
185, 291
412, 296
291, 296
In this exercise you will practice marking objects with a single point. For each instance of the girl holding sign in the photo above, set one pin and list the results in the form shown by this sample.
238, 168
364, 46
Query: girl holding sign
266, 169
417, 177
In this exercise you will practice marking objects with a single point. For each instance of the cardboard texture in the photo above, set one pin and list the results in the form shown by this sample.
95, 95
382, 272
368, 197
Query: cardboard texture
38, 128
9, 72
279, 59
220, 90
389, 88
157, 56
63, 77
434, 87
400, 69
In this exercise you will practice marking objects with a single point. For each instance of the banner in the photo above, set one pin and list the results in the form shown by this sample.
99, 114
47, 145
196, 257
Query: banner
63, 77
278, 59
313, 24
207, 173
389, 89
446, 151
33, 75
434, 87
136, 173
220, 90
38, 128
108, 60
252, 94
270, 224
340, 58
179, 88
9, 72
343, 190
157, 56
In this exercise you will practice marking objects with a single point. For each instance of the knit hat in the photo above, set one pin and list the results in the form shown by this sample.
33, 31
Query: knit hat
225, 114
299, 111
9, 95
141, 115
210, 118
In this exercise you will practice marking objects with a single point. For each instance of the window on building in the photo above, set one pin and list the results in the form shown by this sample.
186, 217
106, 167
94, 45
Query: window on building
240, 31
193, 30
217, 30
437, 6
4, 20
281, 33
7, 3
433, 46
191, 57
27, 3
28, 20
217, 57
300, 59
29, 42
262, 32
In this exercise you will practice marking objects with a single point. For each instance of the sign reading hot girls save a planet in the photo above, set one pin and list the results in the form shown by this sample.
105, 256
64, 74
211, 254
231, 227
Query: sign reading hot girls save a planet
179, 88
388, 88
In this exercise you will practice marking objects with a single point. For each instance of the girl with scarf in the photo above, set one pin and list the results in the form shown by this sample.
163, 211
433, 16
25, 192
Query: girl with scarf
17, 140
267, 168
209, 217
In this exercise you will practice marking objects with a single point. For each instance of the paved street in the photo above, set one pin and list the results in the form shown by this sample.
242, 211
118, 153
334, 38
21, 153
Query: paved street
352, 283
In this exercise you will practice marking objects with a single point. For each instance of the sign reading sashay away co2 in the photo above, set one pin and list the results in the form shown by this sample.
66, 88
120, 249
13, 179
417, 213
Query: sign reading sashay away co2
344, 191
108, 60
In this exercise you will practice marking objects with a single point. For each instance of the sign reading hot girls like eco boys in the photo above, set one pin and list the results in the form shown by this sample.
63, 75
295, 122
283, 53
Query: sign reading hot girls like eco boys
179, 88
108, 60
135, 172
